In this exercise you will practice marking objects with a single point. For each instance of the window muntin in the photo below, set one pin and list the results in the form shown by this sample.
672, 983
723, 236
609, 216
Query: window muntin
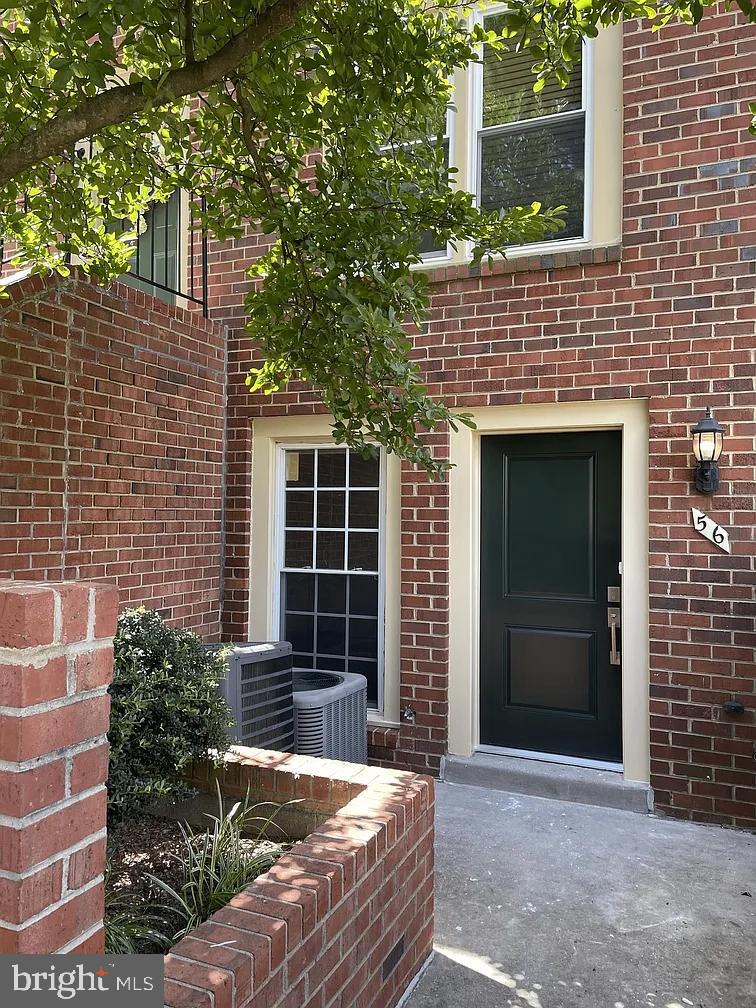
531, 146
330, 568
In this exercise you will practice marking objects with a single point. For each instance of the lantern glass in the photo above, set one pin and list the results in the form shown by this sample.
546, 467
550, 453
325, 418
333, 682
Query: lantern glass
707, 445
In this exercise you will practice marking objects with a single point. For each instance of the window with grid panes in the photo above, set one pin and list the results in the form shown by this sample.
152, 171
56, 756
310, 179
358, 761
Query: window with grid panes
531, 146
330, 601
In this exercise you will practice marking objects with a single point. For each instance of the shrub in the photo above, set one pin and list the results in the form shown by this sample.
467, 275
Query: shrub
219, 862
166, 710
130, 927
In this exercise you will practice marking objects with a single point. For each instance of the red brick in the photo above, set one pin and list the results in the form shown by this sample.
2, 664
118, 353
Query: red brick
25, 685
61, 925
94, 669
21, 899
26, 616
31, 790
21, 849
23, 738
86, 864
89, 768
106, 610
75, 607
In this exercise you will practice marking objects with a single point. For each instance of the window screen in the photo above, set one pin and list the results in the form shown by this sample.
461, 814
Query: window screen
330, 572
532, 146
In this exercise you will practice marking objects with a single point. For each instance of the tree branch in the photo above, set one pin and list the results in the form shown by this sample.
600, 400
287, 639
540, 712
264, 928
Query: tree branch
118, 104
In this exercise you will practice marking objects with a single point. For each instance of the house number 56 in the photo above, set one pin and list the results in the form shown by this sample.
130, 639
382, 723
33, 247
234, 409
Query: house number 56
709, 529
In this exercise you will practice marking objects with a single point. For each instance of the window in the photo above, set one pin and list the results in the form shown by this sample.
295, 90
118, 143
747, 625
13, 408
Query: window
531, 146
330, 562
170, 252
511, 146
431, 246
154, 266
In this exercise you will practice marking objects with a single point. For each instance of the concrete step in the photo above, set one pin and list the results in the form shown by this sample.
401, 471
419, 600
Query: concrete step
549, 780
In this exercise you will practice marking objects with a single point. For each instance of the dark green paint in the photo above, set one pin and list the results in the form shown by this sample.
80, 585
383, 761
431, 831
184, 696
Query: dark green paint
550, 548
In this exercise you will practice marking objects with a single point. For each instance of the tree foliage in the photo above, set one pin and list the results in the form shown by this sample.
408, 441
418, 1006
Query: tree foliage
301, 115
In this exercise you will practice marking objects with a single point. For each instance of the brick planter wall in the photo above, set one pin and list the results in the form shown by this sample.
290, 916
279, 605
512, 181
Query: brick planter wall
111, 421
56, 662
345, 919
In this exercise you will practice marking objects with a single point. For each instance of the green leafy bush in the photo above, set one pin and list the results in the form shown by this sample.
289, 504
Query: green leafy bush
219, 862
166, 710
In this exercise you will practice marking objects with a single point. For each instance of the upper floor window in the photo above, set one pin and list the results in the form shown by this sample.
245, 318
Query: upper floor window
170, 254
154, 266
562, 146
530, 146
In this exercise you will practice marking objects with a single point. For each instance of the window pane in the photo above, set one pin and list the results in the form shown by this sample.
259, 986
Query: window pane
302, 661
364, 472
363, 638
331, 635
543, 163
300, 468
508, 81
363, 509
329, 663
363, 595
331, 468
332, 593
299, 592
298, 549
363, 551
369, 669
330, 550
331, 508
298, 631
430, 244
299, 509
156, 256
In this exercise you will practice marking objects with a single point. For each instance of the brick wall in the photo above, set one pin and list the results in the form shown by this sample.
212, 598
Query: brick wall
668, 317
56, 662
111, 425
345, 918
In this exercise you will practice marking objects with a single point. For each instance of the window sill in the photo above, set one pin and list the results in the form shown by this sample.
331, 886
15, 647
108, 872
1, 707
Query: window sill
375, 720
524, 259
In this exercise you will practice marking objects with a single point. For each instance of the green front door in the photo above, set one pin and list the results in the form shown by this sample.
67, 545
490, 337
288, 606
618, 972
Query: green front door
550, 679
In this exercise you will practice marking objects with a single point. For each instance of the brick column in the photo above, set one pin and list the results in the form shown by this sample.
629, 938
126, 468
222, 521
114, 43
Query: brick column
56, 662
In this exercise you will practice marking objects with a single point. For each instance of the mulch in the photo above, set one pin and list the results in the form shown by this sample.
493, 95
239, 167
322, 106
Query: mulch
142, 845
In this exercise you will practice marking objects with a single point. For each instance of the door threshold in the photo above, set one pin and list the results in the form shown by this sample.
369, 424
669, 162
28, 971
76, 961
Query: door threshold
542, 757
540, 778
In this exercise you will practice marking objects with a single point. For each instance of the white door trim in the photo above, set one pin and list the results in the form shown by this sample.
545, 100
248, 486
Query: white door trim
629, 416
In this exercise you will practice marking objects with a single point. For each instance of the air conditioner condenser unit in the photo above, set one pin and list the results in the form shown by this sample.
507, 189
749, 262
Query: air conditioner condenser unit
330, 715
258, 689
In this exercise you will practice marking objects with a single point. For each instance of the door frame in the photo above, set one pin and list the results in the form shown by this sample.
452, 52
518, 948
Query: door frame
629, 416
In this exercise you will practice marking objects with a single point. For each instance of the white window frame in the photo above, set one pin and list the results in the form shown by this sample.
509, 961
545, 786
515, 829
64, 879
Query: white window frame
476, 131
279, 523
603, 194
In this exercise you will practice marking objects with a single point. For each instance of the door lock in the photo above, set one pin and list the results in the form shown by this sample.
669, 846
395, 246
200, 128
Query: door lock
614, 620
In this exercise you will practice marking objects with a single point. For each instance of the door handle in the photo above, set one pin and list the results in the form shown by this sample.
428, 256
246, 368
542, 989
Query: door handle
613, 616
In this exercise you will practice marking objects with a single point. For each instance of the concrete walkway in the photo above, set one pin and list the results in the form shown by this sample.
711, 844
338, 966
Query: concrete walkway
549, 904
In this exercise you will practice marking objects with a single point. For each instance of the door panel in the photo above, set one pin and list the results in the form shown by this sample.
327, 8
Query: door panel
550, 549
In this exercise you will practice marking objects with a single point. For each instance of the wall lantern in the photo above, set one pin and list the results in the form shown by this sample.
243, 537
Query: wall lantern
707, 447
